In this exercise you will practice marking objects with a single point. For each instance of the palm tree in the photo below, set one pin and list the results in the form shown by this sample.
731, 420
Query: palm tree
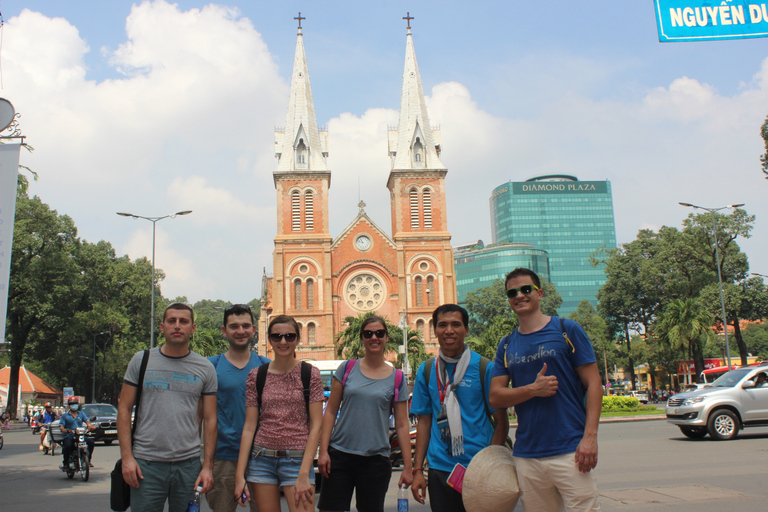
349, 346
682, 323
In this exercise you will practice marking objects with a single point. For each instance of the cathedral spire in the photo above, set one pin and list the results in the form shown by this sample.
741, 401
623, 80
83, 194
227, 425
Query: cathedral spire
414, 144
301, 146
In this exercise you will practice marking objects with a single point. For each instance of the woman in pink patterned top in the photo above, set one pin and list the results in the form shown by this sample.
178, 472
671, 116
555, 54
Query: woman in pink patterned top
278, 446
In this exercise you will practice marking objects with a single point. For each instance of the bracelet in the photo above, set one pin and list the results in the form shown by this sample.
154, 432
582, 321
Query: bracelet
417, 469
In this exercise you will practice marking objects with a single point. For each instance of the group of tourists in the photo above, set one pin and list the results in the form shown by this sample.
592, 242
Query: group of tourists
262, 420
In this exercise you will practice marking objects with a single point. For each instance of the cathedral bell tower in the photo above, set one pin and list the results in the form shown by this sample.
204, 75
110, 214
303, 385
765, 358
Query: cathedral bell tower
417, 193
301, 285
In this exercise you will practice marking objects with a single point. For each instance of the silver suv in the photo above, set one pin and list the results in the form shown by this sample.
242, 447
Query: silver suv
737, 400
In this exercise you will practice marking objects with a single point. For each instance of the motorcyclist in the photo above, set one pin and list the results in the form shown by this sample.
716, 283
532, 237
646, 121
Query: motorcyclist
70, 421
45, 418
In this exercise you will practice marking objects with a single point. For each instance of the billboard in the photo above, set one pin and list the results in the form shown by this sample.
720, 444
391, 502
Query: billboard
708, 20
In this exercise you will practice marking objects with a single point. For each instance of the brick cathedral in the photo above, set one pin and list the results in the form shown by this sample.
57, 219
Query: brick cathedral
320, 279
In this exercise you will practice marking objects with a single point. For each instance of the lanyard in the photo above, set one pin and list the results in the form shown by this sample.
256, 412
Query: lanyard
441, 389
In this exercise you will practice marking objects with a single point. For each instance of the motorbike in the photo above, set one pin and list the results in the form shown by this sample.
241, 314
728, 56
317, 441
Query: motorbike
1, 439
49, 445
79, 460
35, 426
396, 451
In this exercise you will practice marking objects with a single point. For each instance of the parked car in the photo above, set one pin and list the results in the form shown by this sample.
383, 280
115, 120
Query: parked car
104, 418
642, 396
736, 400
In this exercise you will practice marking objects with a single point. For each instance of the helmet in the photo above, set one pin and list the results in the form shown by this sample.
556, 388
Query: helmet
73, 400
47, 404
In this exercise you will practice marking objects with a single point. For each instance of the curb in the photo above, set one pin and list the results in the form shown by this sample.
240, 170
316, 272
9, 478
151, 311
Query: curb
620, 419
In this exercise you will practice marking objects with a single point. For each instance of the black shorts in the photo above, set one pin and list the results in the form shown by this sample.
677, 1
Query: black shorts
368, 476
443, 497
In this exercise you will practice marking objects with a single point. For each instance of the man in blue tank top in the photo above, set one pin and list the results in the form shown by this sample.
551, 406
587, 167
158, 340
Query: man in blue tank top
557, 394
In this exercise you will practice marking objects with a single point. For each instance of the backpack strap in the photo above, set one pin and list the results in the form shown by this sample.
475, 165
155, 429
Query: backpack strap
348, 365
142, 371
483, 366
565, 335
261, 378
398, 383
428, 369
216, 364
306, 376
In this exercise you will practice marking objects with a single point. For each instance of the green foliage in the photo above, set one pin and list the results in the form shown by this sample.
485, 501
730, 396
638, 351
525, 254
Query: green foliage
487, 343
756, 338
597, 330
620, 403
551, 300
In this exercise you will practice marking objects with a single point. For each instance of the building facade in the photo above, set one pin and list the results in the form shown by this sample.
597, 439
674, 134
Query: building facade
567, 218
478, 266
320, 279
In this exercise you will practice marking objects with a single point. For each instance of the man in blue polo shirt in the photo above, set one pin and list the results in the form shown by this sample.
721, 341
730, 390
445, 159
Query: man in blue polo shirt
453, 411
232, 368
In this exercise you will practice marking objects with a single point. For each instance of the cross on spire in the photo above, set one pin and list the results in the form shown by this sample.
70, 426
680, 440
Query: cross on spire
408, 18
300, 18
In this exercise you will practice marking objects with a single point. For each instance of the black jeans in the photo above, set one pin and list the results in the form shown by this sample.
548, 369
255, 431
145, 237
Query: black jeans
368, 476
69, 445
443, 497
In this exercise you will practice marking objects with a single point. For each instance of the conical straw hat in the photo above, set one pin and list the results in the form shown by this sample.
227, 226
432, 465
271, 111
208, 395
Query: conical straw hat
490, 483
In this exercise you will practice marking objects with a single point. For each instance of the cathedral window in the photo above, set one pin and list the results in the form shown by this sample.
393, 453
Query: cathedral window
297, 294
419, 291
309, 211
427, 202
431, 290
301, 152
418, 150
310, 294
295, 211
420, 328
311, 333
414, 197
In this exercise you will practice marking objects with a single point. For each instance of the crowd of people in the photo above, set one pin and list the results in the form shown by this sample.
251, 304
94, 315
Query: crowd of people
263, 421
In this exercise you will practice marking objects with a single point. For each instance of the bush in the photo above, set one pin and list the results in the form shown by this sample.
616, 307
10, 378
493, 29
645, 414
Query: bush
621, 403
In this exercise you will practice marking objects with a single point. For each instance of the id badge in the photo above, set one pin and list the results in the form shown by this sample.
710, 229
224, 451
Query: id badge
442, 425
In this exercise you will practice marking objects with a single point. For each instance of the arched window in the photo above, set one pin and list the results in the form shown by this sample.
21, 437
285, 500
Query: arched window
420, 328
431, 292
311, 334
418, 150
297, 294
310, 294
295, 211
309, 211
414, 196
427, 202
419, 291
301, 152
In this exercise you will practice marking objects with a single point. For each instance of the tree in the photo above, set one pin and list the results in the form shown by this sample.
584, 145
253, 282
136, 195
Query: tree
683, 322
597, 331
551, 300
487, 343
764, 157
44, 281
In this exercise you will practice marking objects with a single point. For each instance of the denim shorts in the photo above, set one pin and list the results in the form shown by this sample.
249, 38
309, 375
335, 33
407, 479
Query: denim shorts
275, 471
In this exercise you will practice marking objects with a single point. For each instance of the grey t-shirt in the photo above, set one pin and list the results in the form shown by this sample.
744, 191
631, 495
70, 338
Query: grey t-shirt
362, 427
167, 428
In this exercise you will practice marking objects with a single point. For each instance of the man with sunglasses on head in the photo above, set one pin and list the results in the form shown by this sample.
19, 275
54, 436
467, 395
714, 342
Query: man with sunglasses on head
232, 368
163, 461
450, 397
557, 394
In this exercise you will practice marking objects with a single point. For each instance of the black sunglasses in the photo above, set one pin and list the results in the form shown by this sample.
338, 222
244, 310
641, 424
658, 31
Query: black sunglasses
526, 289
380, 333
275, 337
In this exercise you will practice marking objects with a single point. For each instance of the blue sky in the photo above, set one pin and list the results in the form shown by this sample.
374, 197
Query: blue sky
156, 107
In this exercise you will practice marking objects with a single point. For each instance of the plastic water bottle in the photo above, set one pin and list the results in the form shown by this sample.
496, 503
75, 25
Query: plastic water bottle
402, 499
194, 505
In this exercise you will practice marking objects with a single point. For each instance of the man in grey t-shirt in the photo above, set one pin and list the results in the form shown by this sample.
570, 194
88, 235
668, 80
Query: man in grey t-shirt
164, 461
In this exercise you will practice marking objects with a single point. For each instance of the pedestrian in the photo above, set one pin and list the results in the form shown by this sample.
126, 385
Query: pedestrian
550, 363
355, 448
163, 462
232, 369
450, 398
283, 418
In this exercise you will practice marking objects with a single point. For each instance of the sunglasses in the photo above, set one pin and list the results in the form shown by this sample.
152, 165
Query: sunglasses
275, 337
380, 333
526, 289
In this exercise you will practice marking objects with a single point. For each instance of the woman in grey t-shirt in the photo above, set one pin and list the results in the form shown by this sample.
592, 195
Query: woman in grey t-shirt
354, 453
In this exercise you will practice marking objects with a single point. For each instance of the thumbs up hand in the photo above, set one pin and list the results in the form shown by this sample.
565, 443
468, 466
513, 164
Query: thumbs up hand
544, 385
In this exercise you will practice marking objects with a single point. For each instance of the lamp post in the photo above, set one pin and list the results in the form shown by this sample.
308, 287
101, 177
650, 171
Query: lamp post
717, 264
759, 275
154, 221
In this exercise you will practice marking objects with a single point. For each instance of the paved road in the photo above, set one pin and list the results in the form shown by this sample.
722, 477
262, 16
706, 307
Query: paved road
644, 466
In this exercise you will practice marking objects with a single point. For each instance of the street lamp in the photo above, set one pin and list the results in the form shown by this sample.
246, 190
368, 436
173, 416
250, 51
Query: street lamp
759, 275
717, 264
154, 221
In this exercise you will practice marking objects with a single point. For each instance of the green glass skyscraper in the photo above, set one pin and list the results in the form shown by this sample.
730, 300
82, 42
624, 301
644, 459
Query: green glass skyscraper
568, 218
